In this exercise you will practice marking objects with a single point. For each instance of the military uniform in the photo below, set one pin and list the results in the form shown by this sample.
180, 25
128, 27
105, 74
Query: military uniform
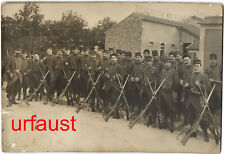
168, 107
26, 75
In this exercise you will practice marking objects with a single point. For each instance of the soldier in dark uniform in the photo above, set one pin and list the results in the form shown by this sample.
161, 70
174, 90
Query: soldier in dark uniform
156, 61
149, 74
171, 83
58, 82
118, 54
136, 78
214, 73
48, 64
184, 82
198, 83
26, 75
14, 67
94, 70
146, 54
111, 86
37, 69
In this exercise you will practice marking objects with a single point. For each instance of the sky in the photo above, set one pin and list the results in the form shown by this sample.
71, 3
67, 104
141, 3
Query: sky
92, 12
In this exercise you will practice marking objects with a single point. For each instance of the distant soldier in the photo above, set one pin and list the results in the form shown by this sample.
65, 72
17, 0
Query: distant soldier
156, 61
58, 82
125, 63
14, 67
26, 69
135, 84
185, 82
93, 70
146, 54
37, 69
171, 83
111, 51
149, 75
111, 86
214, 73
48, 64
199, 82
118, 54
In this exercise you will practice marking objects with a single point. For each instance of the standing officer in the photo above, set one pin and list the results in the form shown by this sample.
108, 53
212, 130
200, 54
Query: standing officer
26, 75
146, 54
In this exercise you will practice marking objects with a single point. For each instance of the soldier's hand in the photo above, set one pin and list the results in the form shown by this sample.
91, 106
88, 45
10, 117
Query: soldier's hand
186, 84
181, 82
107, 75
197, 83
78, 76
211, 80
89, 68
137, 79
132, 79
99, 67
11, 75
17, 70
66, 63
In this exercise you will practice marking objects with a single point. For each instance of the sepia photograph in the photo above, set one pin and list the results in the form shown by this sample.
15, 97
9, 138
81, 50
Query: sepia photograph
111, 77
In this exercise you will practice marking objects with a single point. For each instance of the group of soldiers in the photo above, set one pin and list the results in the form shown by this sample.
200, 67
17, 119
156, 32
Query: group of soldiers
100, 77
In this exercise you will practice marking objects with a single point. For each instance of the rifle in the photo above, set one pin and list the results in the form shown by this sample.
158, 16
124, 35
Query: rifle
117, 101
132, 123
96, 93
124, 98
36, 90
84, 102
64, 90
196, 123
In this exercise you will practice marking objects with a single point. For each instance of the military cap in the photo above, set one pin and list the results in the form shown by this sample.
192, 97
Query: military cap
137, 54
154, 53
148, 59
118, 51
110, 49
113, 54
18, 51
177, 53
104, 51
171, 53
146, 50
197, 61
213, 56
129, 54
186, 55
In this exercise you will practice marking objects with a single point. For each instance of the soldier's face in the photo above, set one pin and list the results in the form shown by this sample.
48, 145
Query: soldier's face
138, 58
197, 68
114, 59
104, 55
149, 63
178, 57
123, 56
187, 61
213, 62
146, 54
172, 57
94, 57
86, 53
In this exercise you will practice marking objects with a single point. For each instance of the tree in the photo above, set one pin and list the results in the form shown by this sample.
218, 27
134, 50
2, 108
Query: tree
98, 32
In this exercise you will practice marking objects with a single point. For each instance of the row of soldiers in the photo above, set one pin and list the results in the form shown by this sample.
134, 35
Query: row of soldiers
179, 97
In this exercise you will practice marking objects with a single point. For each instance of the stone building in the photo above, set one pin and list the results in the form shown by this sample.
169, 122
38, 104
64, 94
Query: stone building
138, 32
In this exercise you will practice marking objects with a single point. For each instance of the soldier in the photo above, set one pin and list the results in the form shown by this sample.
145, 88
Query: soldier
37, 69
93, 70
48, 64
198, 83
118, 54
14, 70
111, 86
146, 54
26, 74
184, 82
214, 73
168, 107
156, 61
149, 75
111, 51
135, 84
58, 82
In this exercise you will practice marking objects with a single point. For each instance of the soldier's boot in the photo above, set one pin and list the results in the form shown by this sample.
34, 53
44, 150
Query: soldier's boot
24, 95
194, 134
171, 125
92, 106
19, 94
116, 114
10, 102
206, 136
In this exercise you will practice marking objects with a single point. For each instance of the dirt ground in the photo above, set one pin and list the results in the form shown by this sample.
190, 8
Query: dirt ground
93, 133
